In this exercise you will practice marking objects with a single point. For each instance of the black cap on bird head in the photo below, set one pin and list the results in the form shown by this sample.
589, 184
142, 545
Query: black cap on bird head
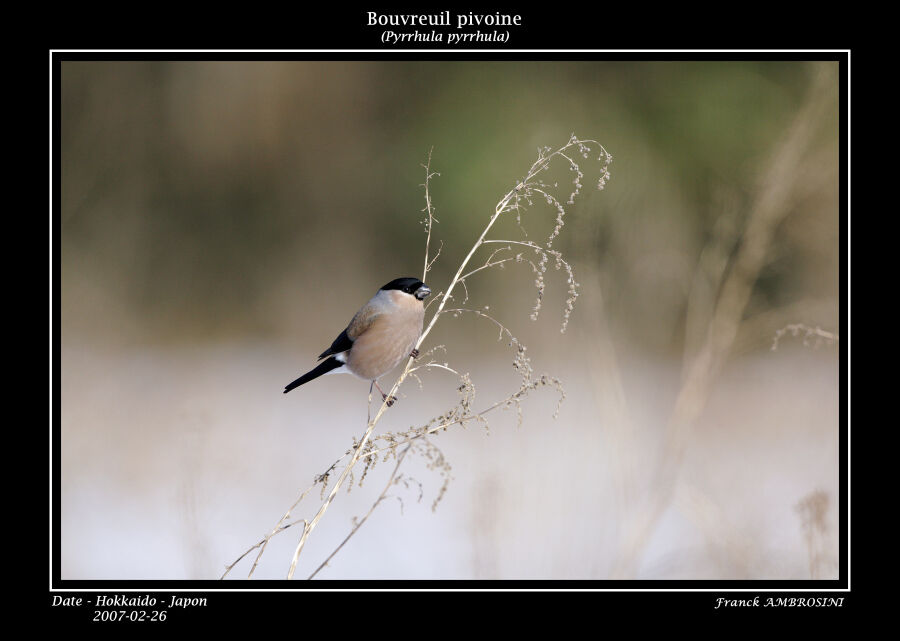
412, 286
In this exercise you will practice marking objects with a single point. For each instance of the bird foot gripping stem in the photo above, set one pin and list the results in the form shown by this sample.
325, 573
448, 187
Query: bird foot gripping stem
390, 400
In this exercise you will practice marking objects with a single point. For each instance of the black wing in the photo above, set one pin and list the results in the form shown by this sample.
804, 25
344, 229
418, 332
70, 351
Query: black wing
341, 344
323, 368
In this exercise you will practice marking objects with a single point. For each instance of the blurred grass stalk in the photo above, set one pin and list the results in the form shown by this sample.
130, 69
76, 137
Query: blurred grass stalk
770, 207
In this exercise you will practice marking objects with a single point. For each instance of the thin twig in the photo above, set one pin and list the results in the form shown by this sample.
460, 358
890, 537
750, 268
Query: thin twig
808, 332
279, 527
429, 222
359, 523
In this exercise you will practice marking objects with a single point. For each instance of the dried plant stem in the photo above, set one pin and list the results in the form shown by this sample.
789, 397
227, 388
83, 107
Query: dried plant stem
429, 222
808, 332
766, 213
308, 527
490, 262
357, 454
360, 523
364, 449
768, 327
436, 428
503, 205
279, 527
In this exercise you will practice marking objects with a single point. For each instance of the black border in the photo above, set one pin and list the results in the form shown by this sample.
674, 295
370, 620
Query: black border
699, 594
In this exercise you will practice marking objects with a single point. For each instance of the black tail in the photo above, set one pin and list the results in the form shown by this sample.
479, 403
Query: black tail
323, 368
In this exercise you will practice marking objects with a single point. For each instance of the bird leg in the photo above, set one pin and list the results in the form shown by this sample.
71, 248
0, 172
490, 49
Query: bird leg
414, 353
389, 399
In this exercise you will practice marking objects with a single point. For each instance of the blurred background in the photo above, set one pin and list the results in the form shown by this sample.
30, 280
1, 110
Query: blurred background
222, 221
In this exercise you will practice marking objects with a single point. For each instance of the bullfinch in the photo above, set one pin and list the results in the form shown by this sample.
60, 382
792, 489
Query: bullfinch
379, 337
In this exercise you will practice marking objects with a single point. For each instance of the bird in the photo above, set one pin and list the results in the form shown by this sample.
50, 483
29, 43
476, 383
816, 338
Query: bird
380, 335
